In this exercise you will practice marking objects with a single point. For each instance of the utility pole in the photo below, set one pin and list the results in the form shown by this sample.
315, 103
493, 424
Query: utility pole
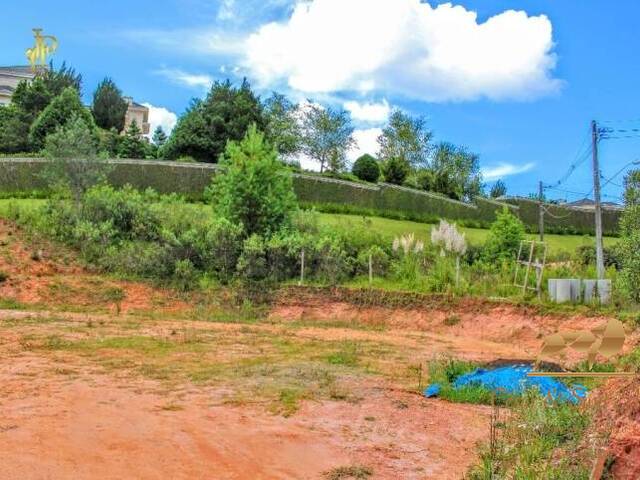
596, 197
541, 212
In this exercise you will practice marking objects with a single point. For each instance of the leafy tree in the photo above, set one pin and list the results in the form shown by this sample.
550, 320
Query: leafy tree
627, 247
133, 146
326, 136
31, 97
499, 189
456, 172
282, 128
225, 115
74, 164
395, 170
505, 235
14, 130
159, 137
366, 168
255, 189
632, 188
109, 108
109, 142
63, 108
405, 138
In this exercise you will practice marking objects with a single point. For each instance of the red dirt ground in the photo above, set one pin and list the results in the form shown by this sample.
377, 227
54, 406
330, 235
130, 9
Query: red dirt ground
94, 426
62, 419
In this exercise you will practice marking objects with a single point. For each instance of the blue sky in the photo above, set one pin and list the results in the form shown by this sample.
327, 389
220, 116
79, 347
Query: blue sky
518, 88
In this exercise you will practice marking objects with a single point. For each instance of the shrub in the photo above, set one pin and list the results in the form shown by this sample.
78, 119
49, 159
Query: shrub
254, 189
380, 261
505, 235
129, 211
333, 263
366, 168
586, 255
185, 276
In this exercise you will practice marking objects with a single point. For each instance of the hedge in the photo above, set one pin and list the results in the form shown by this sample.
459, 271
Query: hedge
18, 176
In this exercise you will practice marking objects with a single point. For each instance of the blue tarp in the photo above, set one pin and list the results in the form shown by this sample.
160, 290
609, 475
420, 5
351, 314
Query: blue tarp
513, 380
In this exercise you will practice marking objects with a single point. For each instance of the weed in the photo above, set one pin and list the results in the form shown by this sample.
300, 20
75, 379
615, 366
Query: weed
357, 472
4, 276
451, 320
347, 355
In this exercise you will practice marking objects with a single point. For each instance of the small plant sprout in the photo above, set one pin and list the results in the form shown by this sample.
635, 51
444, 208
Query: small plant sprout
447, 237
407, 244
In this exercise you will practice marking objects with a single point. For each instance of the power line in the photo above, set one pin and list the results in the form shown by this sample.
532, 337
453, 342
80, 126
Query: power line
581, 156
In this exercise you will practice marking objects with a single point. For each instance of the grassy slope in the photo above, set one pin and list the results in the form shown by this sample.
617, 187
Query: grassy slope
388, 227
476, 236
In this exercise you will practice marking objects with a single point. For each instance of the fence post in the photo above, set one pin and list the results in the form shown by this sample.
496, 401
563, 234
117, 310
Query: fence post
370, 270
301, 267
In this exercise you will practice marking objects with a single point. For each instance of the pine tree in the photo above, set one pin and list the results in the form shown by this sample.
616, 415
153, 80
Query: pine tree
133, 146
109, 108
159, 137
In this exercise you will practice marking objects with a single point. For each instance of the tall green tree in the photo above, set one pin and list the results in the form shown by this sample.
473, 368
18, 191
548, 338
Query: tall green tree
254, 188
14, 130
499, 189
62, 108
282, 126
133, 146
632, 188
224, 115
109, 107
456, 172
407, 139
159, 137
31, 97
73, 164
630, 238
56, 80
327, 136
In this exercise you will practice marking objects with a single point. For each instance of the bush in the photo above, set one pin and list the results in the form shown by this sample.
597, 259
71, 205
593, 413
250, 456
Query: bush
505, 235
366, 168
129, 211
254, 189
185, 276
586, 255
332, 261
395, 171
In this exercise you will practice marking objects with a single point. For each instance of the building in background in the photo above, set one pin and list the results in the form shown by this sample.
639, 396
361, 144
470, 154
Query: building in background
139, 113
10, 77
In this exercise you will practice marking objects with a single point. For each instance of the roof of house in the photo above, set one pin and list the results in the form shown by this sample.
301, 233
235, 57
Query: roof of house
587, 202
18, 71
4, 89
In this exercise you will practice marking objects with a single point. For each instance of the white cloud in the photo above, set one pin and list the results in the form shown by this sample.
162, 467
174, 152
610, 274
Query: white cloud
226, 10
405, 47
504, 170
367, 142
160, 116
368, 112
191, 80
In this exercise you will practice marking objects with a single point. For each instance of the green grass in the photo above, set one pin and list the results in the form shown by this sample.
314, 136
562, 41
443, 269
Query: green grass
387, 227
537, 440
475, 236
